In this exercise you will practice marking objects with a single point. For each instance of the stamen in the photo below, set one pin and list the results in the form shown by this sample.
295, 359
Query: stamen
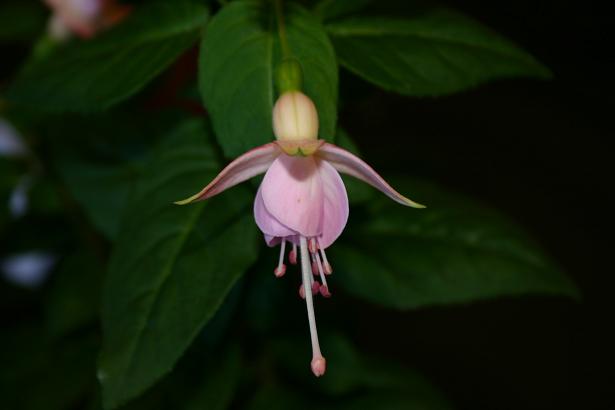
318, 363
315, 287
314, 265
281, 269
325, 262
324, 289
313, 245
292, 255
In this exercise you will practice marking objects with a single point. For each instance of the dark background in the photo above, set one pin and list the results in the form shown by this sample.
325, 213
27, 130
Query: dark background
540, 152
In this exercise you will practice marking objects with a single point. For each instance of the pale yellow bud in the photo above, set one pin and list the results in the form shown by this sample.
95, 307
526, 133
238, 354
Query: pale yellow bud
295, 117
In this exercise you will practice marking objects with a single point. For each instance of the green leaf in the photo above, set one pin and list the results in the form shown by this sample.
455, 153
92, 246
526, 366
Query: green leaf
172, 266
239, 55
102, 190
93, 75
433, 52
454, 251
331, 9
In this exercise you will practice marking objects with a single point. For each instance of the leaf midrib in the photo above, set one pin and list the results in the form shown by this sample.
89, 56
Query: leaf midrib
478, 246
165, 275
359, 32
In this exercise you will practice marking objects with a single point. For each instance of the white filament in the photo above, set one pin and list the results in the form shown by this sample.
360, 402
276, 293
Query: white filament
324, 255
306, 271
282, 249
320, 270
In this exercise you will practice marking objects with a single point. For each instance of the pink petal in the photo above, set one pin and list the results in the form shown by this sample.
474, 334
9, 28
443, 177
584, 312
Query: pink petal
250, 164
293, 194
352, 165
335, 205
270, 226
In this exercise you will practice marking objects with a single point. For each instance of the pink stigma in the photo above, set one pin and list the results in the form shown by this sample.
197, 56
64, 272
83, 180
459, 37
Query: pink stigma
314, 268
319, 365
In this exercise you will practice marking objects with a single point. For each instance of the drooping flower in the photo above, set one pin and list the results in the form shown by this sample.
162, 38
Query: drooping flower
83, 17
302, 200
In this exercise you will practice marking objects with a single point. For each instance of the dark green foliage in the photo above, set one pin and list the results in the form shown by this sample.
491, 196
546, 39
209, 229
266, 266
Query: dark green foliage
454, 251
94, 75
172, 306
239, 55
434, 52
172, 266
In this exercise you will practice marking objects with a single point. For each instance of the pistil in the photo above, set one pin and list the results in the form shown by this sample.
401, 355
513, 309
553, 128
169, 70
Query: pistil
318, 363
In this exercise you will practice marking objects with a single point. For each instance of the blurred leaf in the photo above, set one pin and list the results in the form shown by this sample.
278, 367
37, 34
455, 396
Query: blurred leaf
102, 190
351, 373
454, 251
239, 56
199, 382
74, 297
331, 9
93, 75
386, 400
172, 266
433, 52
264, 300
221, 380
20, 20
37, 374
99, 158
272, 397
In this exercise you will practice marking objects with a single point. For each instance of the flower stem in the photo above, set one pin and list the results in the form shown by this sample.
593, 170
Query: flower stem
279, 13
289, 75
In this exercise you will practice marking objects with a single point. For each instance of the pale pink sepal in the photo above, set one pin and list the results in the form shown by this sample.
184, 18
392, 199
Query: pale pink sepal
352, 165
335, 204
293, 194
250, 164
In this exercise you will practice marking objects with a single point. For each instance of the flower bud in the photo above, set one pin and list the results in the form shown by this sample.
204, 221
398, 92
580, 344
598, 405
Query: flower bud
295, 118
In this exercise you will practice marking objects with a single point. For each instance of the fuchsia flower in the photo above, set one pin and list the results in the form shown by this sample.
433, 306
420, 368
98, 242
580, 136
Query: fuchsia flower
302, 199
83, 17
